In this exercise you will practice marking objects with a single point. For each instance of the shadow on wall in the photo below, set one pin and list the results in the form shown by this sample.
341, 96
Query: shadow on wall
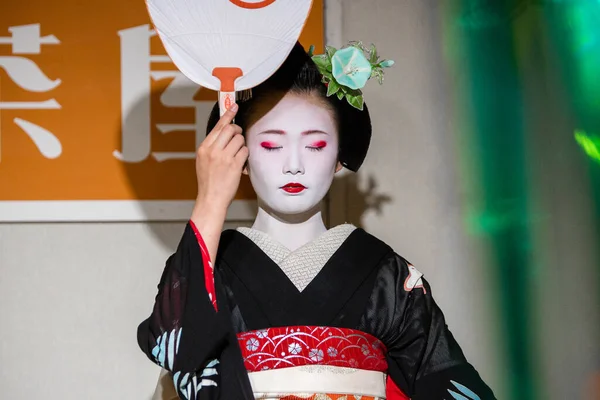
156, 141
356, 199
362, 201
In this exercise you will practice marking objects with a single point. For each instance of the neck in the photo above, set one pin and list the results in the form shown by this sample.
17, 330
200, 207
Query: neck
293, 231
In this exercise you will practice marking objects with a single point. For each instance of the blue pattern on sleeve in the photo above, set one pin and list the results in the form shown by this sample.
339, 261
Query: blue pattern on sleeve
464, 390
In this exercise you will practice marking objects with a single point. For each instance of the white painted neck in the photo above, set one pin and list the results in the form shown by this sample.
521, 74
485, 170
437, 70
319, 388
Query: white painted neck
292, 231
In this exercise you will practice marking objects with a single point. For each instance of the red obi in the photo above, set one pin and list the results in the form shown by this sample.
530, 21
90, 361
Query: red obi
296, 346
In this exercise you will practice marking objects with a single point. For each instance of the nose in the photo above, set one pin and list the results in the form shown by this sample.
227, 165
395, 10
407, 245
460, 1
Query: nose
293, 164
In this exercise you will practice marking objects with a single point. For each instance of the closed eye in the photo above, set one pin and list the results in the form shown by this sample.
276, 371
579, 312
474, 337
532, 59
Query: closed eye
270, 146
311, 148
317, 146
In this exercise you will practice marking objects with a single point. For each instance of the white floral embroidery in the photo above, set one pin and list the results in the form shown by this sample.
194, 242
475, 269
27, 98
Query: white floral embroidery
294, 348
262, 333
252, 344
321, 396
365, 349
316, 355
332, 352
414, 279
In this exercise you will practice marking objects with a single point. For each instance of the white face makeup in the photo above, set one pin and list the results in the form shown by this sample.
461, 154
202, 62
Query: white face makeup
293, 152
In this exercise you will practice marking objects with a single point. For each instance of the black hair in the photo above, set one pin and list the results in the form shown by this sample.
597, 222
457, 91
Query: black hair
298, 74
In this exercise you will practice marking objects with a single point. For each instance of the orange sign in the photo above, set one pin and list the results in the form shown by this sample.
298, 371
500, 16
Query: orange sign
92, 109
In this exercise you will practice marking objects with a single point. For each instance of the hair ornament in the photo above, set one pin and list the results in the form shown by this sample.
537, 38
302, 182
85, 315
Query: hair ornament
347, 70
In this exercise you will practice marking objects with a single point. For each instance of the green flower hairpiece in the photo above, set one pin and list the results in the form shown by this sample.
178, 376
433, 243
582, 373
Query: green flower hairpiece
347, 70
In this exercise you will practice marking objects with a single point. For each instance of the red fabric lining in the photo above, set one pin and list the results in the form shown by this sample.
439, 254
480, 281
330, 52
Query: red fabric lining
209, 278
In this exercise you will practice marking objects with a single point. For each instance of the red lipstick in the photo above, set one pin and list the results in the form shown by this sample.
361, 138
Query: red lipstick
293, 187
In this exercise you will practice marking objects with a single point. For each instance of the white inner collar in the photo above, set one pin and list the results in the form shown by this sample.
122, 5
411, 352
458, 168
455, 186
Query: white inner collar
303, 264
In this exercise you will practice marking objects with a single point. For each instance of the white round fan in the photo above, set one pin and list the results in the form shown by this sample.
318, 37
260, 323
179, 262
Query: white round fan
228, 45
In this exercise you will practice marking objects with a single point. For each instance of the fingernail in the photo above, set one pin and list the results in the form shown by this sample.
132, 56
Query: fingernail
234, 107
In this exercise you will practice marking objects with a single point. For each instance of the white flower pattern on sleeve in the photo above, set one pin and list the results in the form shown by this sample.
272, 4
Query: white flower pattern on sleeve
414, 279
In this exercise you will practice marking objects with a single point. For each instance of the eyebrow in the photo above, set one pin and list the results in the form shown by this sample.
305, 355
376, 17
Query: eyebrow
280, 132
272, 131
314, 131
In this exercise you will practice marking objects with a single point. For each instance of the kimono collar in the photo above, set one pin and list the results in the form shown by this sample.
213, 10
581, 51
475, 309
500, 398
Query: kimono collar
303, 264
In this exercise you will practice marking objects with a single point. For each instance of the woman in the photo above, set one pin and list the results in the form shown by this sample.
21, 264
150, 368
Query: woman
296, 310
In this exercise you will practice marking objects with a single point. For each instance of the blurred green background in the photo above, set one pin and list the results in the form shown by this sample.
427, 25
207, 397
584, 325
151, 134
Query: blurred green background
529, 114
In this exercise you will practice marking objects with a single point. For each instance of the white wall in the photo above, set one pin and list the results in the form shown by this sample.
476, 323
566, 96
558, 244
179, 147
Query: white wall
71, 297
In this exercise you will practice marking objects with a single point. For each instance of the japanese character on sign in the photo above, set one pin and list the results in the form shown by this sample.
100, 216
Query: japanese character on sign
27, 40
136, 75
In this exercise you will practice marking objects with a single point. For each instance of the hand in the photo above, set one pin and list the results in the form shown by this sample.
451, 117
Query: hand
219, 163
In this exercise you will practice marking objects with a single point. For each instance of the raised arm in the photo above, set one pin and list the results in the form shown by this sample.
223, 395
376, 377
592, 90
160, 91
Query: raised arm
219, 163
185, 334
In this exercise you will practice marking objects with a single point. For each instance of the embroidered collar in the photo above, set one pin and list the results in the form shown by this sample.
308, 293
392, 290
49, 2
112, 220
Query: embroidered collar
303, 264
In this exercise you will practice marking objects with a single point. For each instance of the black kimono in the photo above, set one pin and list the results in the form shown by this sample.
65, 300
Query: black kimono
363, 291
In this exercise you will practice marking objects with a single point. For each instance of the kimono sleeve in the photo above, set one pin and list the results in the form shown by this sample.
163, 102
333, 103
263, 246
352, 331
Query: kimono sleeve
184, 333
424, 359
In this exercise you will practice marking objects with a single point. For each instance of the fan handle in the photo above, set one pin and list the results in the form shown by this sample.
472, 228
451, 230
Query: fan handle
227, 76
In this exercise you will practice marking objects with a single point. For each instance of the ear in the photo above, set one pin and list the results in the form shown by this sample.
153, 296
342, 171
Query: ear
338, 167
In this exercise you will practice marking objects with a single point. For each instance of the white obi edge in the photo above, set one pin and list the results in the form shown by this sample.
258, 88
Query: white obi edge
313, 379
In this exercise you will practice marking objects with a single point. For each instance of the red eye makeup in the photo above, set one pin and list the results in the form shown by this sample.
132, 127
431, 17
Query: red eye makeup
317, 146
269, 146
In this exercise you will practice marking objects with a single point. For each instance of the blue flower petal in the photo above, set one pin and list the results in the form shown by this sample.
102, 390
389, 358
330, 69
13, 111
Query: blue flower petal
457, 396
183, 382
465, 390
166, 348
158, 351
351, 68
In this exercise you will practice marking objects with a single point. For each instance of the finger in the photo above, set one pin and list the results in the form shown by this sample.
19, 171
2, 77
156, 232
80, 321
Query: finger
241, 157
234, 145
227, 133
224, 121
227, 118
